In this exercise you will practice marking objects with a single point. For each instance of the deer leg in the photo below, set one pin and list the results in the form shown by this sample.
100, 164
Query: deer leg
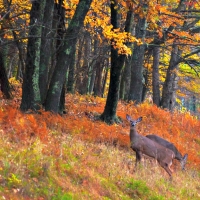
169, 166
167, 169
138, 157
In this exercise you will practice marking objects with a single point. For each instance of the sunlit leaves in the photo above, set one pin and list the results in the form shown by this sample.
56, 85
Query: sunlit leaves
14, 14
98, 23
118, 39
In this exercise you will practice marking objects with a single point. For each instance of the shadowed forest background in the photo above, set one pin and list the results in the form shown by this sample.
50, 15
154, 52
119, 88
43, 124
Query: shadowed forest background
70, 71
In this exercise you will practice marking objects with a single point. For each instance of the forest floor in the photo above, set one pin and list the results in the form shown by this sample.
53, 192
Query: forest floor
75, 156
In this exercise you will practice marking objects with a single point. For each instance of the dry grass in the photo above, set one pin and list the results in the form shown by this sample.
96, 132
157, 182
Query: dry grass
85, 170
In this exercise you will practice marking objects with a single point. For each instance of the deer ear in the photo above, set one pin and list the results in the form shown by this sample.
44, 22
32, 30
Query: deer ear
139, 119
128, 117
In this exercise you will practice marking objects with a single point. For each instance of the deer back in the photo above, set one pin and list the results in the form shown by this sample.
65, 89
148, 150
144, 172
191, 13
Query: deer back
166, 144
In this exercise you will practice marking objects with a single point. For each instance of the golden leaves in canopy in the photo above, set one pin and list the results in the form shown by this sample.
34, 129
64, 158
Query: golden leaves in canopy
17, 11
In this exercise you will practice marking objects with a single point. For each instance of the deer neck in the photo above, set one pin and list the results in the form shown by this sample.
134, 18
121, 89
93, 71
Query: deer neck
133, 133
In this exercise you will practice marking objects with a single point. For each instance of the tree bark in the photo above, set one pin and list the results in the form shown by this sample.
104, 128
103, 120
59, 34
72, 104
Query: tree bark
65, 54
155, 76
59, 42
169, 87
4, 83
45, 55
83, 87
106, 69
98, 78
71, 75
125, 80
30, 89
136, 86
145, 84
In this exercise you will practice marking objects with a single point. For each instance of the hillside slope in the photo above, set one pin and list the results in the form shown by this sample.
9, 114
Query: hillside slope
43, 156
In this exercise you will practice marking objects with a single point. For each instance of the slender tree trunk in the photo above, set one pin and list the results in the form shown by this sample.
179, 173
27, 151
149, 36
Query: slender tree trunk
62, 99
146, 83
155, 76
78, 77
92, 80
61, 36
105, 77
194, 103
173, 92
71, 75
19, 74
4, 83
58, 30
65, 55
93, 66
30, 88
45, 48
169, 87
83, 87
98, 78
127, 77
136, 86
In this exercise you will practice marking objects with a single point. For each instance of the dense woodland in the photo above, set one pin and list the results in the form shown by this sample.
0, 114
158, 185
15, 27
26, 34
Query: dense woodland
128, 50
67, 67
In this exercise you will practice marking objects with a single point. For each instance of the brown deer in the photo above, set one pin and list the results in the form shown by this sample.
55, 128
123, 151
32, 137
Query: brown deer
171, 146
143, 145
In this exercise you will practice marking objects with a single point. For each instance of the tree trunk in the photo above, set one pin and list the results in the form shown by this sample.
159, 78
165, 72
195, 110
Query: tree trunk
30, 88
78, 77
19, 74
126, 76
65, 55
146, 83
105, 76
98, 78
173, 92
71, 75
169, 87
4, 83
136, 86
60, 38
93, 65
117, 62
155, 76
45, 49
126, 79
83, 87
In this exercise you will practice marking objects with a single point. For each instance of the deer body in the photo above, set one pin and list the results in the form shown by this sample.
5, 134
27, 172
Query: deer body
143, 145
170, 146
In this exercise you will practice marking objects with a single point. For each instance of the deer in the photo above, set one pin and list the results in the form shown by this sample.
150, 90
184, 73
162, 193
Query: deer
143, 145
171, 146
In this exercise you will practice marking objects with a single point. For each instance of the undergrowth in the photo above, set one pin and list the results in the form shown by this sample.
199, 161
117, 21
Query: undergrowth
76, 156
